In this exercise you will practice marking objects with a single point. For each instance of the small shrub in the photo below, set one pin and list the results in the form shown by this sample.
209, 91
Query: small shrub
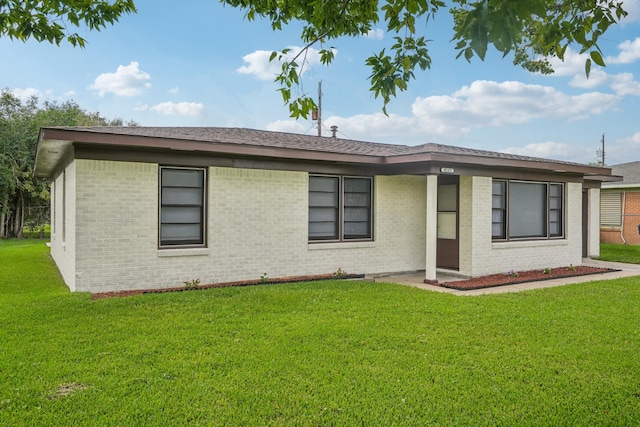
339, 273
512, 273
191, 284
264, 278
571, 267
547, 270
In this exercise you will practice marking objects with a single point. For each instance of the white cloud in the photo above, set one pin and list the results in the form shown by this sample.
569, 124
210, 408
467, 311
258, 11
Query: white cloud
143, 107
634, 139
174, 90
259, 65
633, 9
624, 84
128, 80
26, 93
629, 52
286, 126
481, 104
179, 109
375, 34
545, 150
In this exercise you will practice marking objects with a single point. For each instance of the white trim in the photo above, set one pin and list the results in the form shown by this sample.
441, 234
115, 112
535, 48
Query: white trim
184, 252
340, 245
511, 244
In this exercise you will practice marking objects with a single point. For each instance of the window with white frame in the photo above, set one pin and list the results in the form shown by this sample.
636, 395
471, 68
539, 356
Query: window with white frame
340, 208
527, 210
182, 207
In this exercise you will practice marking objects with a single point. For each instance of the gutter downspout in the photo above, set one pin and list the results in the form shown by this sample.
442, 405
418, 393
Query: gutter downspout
624, 199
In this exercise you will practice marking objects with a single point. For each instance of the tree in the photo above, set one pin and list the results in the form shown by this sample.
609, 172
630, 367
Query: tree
24, 200
49, 20
532, 30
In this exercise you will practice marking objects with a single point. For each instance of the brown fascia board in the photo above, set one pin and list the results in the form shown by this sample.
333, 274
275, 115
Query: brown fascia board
479, 160
395, 163
217, 147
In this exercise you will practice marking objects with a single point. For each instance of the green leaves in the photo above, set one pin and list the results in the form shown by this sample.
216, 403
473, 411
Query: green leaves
47, 20
533, 31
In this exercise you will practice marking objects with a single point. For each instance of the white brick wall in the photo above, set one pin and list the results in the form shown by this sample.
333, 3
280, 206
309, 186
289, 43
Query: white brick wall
63, 235
593, 245
498, 257
257, 223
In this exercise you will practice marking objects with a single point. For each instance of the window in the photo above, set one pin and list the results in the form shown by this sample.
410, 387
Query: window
611, 209
339, 208
182, 207
527, 210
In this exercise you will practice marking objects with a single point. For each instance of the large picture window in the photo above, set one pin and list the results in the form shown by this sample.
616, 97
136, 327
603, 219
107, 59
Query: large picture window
340, 208
182, 207
527, 210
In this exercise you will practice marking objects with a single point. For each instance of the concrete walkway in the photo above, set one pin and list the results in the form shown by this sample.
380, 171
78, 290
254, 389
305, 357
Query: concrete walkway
416, 279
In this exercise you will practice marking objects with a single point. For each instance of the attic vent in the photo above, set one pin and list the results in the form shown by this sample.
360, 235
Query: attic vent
334, 130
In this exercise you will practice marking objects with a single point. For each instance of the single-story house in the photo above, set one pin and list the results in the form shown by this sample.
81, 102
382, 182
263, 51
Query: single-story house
620, 206
153, 207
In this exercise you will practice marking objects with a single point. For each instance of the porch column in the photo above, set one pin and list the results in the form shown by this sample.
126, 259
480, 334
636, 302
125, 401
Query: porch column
431, 229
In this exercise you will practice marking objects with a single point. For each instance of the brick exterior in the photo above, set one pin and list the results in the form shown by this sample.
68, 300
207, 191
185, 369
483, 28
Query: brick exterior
486, 257
63, 234
257, 224
628, 232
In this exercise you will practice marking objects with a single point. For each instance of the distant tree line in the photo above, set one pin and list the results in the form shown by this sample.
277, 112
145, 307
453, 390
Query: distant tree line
24, 199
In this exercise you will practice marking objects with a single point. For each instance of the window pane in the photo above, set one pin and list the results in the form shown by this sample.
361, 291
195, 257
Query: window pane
356, 199
323, 231
356, 230
177, 215
357, 208
323, 199
182, 178
181, 207
498, 212
527, 209
554, 228
323, 214
499, 187
181, 232
356, 214
323, 207
358, 185
182, 196
447, 197
323, 183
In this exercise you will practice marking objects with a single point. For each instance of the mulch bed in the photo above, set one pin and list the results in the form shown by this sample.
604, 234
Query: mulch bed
269, 281
523, 277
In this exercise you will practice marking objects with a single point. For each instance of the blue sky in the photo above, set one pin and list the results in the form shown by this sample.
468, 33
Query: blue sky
202, 64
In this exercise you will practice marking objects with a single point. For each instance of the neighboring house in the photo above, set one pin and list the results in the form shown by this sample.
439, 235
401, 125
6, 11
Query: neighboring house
139, 207
620, 206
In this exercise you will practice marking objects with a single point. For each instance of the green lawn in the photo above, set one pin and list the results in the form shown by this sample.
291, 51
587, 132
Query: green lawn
325, 353
620, 253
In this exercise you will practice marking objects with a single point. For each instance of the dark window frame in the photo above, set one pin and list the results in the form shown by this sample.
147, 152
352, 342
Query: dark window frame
554, 211
201, 241
344, 208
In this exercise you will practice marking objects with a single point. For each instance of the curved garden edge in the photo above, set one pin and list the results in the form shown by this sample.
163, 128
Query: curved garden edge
495, 280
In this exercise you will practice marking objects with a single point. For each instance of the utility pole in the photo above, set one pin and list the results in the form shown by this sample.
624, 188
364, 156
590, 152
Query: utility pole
600, 152
320, 108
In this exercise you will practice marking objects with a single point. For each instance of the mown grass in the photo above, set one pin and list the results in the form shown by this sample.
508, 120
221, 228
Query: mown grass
620, 253
322, 353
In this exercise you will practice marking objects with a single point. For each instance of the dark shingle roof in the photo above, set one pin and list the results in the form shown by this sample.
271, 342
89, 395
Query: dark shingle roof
630, 172
294, 141
55, 142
